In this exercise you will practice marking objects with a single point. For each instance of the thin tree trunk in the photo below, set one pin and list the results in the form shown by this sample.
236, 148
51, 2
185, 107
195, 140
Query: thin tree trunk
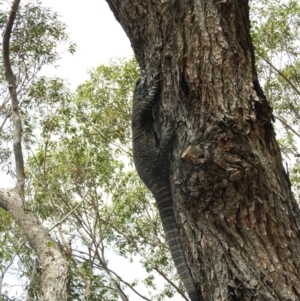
12, 87
238, 219
55, 270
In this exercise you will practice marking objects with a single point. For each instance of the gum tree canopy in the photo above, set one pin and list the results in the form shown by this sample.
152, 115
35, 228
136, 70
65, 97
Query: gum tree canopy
238, 219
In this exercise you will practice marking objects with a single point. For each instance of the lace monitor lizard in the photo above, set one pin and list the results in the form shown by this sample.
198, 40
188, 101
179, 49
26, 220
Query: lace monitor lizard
151, 158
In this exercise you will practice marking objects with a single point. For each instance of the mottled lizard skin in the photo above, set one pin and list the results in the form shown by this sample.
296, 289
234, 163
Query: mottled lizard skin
152, 159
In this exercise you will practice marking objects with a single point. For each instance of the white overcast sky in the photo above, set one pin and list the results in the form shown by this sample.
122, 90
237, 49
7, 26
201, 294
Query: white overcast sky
99, 37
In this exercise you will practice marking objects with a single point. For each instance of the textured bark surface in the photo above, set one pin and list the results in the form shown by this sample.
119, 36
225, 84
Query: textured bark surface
238, 219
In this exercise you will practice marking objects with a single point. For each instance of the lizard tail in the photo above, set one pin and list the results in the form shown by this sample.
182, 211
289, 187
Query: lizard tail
165, 207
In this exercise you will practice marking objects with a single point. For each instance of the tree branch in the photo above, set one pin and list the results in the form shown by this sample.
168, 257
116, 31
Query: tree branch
12, 86
278, 71
162, 274
5, 269
287, 125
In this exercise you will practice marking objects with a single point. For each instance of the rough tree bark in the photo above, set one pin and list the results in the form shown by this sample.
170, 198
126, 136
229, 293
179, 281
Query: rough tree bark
239, 221
55, 269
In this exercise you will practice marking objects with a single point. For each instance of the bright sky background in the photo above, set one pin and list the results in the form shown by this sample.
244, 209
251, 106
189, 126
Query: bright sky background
99, 37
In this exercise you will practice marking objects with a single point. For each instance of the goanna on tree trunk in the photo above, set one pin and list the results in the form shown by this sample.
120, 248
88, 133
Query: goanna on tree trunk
238, 220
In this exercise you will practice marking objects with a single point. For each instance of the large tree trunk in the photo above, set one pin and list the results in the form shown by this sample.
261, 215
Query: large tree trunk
238, 219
